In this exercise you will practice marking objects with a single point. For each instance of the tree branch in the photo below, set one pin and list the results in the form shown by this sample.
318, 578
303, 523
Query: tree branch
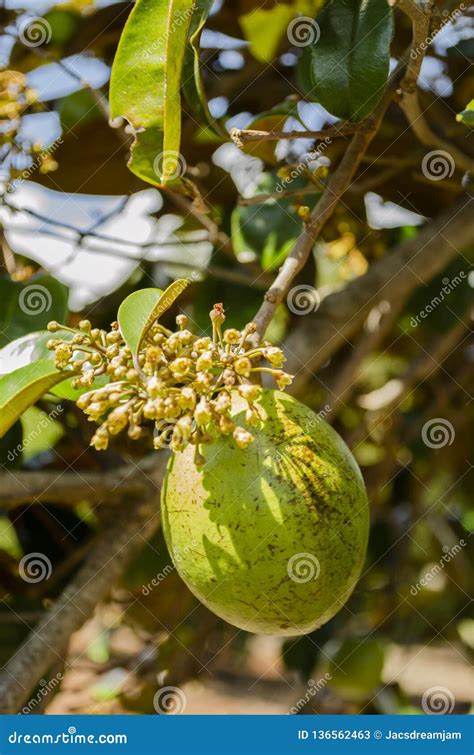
394, 277
411, 107
131, 524
69, 488
420, 15
244, 136
338, 184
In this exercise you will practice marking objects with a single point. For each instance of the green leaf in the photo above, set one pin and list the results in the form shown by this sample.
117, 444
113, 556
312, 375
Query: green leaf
193, 87
467, 115
23, 388
270, 228
9, 542
41, 431
33, 347
30, 306
140, 310
145, 85
264, 29
347, 67
28, 349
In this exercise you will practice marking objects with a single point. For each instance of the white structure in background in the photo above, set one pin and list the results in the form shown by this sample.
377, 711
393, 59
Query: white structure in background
94, 243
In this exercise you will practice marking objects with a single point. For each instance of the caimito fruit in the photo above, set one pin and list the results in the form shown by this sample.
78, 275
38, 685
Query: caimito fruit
271, 537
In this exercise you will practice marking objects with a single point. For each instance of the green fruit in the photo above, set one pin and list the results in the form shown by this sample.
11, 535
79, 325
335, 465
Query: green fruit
356, 667
271, 538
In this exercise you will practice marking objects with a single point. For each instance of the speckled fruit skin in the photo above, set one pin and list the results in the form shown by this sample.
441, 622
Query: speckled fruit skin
233, 524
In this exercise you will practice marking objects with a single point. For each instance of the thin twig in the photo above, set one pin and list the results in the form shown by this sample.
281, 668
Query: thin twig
244, 136
410, 105
337, 186
420, 15
276, 195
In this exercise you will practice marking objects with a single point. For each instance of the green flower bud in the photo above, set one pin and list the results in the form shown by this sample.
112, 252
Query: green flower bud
226, 425
118, 419
149, 410
282, 379
202, 344
275, 356
231, 336
204, 362
242, 437
223, 402
242, 366
250, 392
217, 314
134, 432
202, 413
112, 351
187, 398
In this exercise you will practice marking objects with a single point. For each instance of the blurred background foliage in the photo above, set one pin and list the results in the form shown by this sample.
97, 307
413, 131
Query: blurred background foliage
76, 222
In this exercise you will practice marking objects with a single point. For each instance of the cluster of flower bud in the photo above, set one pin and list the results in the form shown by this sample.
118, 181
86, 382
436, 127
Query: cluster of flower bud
16, 99
179, 383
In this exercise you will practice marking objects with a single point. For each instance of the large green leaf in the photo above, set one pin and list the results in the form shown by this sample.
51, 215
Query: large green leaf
145, 85
23, 387
30, 306
140, 310
346, 68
